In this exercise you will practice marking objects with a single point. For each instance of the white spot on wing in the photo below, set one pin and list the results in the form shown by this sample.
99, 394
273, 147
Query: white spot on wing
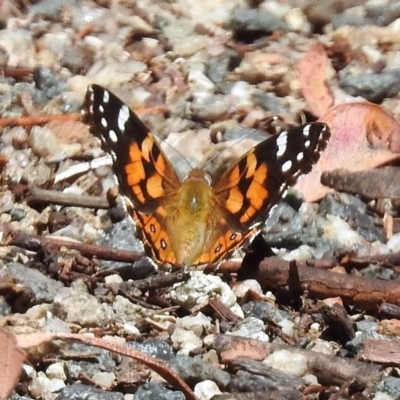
300, 156
123, 116
106, 97
307, 144
113, 136
104, 122
306, 130
101, 108
281, 142
286, 166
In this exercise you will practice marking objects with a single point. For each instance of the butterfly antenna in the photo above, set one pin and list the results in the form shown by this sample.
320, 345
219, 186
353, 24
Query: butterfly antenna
268, 122
176, 151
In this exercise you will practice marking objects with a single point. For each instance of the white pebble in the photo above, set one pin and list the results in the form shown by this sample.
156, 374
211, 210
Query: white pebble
56, 371
287, 361
115, 278
340, 231
287, 327
185, 341
240, 288
252, 328
206, 390
382, 396
394, 242
198, 323
199, 289
104, 379
199, 80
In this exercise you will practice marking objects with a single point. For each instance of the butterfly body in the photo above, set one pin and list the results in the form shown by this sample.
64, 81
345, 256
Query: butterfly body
192, 222
191, 219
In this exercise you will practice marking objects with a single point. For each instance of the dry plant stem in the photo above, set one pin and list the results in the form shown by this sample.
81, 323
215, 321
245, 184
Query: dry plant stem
223, 311
386, 260
32, 120
329, 369
16, 72
169, 375
34, 243
365, 294
38, 195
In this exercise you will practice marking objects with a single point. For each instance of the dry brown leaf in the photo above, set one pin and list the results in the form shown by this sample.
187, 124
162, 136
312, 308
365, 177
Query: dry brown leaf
11, 360
312, 70
363, 136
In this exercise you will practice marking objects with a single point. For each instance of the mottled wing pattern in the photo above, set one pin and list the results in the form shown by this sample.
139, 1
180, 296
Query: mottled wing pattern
144, 173
151, 232
251, 187
227, 242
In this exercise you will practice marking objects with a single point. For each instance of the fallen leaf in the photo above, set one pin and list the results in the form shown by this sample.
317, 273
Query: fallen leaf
11, 360
363, 136
312, 70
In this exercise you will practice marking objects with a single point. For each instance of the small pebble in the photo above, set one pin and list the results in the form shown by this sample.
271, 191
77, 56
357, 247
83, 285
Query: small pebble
284, 360
206, 390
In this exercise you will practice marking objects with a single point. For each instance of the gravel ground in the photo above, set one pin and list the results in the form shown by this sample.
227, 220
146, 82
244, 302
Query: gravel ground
205, 76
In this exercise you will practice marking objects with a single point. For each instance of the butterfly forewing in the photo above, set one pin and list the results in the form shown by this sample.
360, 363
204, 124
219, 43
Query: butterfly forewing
252, 186
144, 173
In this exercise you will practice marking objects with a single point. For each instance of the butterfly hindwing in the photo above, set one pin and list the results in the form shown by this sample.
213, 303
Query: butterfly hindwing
144, 173
253, 185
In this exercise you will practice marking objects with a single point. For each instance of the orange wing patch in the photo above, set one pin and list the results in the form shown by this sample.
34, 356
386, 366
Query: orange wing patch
242, 189
154, 237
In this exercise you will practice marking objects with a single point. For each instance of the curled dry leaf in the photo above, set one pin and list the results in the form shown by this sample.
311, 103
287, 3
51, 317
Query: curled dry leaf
11, 359
363, 136
312, 70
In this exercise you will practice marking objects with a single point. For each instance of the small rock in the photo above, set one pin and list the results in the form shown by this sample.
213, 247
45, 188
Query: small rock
185, 341
394, 243
44, 288
43, 142
154, 347
104, 379
240, 288
284, 360
198, 324
49, 385
251, 23
76, 306
56, 371
156, 390
81, 391
263, 310
323, 346
373, 87
206, 390
48, 82
199, 289
252, 328
209, 107
391, 386
287, 327
194, 371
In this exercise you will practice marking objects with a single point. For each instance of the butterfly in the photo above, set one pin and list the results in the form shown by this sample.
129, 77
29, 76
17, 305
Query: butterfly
192, 222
